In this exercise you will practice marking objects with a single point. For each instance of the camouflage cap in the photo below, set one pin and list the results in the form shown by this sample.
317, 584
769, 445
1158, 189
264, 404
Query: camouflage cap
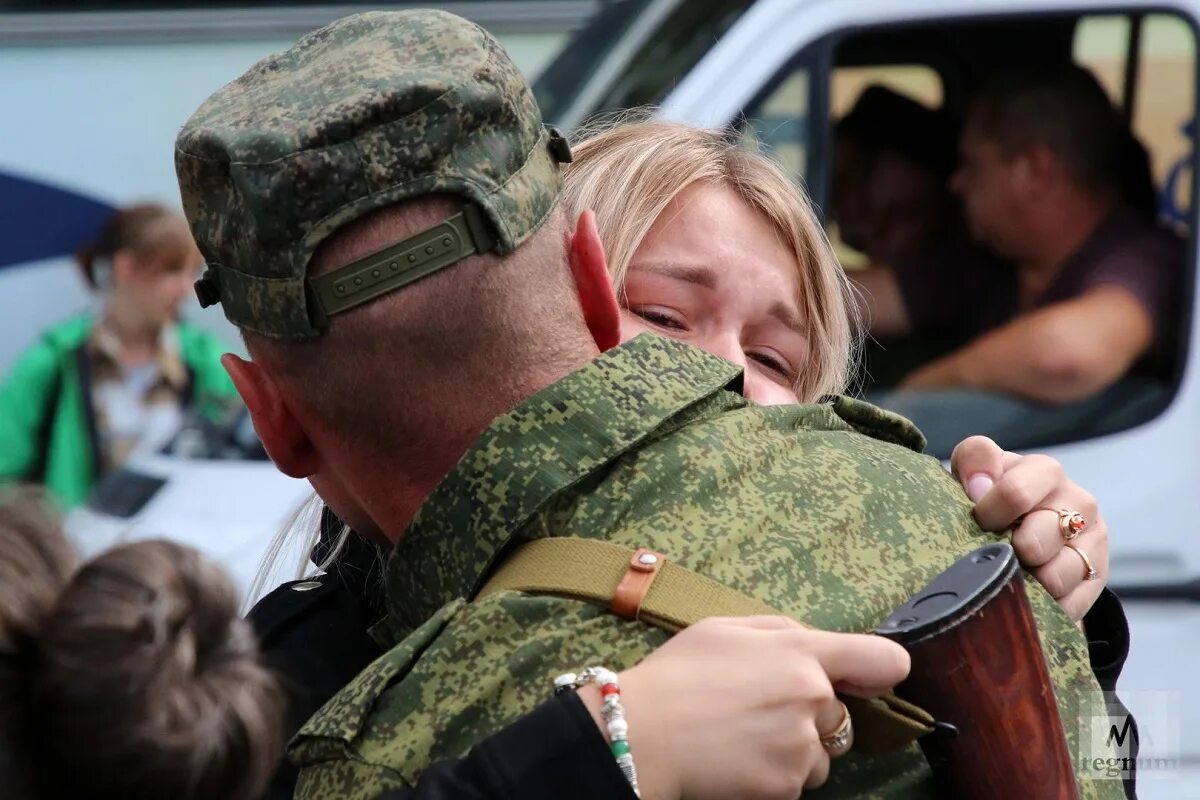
368, 111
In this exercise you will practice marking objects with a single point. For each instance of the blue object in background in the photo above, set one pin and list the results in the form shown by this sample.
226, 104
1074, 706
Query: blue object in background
1170, 206
40, 221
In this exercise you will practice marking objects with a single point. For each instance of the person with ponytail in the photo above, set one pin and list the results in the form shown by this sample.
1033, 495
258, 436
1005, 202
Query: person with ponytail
130, 676
99, 387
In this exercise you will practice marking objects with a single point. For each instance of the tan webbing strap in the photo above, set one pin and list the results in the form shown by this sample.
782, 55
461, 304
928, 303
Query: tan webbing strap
590, 570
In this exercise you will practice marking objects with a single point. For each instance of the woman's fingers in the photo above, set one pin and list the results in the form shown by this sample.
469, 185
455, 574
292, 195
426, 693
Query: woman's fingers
1028, 492
1064, 575
1025, 486
977, 462
870, 664
768, 689
1037, 539
865, 664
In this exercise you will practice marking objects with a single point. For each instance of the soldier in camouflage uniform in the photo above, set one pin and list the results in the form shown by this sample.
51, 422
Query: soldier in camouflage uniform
827, 512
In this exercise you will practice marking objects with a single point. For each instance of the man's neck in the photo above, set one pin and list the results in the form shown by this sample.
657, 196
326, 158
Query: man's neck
1057, 234
398, 490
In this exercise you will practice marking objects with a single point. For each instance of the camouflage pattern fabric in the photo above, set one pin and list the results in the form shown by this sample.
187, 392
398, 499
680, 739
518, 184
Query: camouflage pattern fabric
646, 447
368, 111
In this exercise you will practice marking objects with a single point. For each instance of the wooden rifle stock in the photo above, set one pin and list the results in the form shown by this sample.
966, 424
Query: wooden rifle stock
978, 668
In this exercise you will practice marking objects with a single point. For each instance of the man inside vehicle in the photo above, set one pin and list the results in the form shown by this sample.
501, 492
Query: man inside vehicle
892, 162
1062, 328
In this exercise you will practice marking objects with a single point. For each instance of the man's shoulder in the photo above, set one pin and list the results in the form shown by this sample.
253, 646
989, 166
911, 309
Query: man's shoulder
843, 427
1127, 241
467, 672
877, 423
334, 730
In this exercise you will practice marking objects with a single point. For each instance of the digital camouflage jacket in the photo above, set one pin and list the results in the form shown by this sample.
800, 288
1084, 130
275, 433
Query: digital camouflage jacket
827, 512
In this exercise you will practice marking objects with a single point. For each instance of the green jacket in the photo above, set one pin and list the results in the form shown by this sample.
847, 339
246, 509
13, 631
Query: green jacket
646, 447
46, 433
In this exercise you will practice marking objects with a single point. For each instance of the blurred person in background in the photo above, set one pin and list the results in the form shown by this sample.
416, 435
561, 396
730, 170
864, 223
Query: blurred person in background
99, 387
1063, 316
130, 676
893, 158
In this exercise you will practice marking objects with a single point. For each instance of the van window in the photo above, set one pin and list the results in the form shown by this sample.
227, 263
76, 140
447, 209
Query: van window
1162, 89
645, 49
918, 81
876, 133
780, 123
1102, 45
1164, 110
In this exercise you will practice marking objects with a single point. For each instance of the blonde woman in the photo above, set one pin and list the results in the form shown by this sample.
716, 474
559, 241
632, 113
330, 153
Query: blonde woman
709, 242
712, 245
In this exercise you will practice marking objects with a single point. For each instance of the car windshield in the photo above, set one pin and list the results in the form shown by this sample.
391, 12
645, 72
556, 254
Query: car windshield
674, 36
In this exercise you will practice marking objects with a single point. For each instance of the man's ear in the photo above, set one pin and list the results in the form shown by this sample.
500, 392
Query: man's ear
285, 440
590, 271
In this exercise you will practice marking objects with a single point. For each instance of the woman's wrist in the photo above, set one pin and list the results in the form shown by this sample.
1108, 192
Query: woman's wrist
610, 715
590, 697
653, 782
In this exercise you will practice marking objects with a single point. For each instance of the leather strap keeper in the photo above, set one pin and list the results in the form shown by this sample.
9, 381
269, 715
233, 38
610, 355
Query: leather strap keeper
631, 591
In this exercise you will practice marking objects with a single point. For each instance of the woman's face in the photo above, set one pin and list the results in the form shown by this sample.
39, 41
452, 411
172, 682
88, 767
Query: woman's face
712, 272
154, 287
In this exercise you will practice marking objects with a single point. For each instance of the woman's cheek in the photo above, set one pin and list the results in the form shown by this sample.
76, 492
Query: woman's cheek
632, 325
766, 392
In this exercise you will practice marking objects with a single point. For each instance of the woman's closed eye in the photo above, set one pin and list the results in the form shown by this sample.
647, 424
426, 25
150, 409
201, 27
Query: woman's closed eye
773, 362
660, 317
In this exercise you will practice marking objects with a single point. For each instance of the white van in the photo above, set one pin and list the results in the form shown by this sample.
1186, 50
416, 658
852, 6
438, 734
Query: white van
785, 70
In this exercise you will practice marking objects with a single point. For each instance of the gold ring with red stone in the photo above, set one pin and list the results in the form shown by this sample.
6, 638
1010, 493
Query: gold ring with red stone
1070, 523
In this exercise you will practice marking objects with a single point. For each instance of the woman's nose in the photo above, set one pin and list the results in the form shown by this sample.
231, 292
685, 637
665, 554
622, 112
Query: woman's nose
763, 391
725, 345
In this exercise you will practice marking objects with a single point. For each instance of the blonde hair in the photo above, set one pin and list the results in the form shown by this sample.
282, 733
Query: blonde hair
627, 172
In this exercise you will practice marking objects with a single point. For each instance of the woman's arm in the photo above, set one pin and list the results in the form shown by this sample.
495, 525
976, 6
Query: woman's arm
555, 751
730, 707
25, 413
727, 708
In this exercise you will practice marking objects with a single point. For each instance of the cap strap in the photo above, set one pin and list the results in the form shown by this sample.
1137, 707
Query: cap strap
405, 262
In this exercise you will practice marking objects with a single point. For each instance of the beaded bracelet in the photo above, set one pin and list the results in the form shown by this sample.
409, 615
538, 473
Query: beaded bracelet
612, 711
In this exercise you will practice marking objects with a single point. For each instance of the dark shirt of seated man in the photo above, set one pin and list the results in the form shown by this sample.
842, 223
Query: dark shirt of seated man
960, 291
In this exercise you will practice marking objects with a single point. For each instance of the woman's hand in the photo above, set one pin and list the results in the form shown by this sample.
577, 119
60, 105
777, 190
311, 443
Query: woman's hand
736, 707
1026, 491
